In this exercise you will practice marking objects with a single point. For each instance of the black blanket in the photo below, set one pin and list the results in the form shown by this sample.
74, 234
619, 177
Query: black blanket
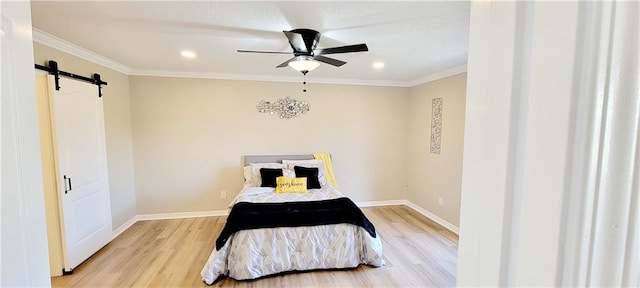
246, 215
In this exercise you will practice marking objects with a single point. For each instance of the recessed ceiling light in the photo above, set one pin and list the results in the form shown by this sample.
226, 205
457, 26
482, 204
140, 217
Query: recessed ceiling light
378, 65
188, 54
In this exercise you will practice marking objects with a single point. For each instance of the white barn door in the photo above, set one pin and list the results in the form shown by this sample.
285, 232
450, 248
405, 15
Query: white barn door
81, 169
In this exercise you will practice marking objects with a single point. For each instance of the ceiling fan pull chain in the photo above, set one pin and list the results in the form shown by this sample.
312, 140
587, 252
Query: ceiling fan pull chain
304, 83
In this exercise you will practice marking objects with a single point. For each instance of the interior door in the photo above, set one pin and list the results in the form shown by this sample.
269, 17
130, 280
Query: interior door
81, 169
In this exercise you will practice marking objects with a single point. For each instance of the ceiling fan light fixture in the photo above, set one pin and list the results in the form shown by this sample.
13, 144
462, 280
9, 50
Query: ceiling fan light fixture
304, 64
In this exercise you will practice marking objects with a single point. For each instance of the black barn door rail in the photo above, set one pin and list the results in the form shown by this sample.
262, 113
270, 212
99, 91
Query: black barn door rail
53, 69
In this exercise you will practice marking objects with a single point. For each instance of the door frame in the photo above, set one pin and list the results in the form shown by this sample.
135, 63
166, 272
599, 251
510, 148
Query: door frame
550, 173
25, 261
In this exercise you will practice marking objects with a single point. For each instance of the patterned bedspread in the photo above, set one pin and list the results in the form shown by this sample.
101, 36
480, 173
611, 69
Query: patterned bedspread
249, 254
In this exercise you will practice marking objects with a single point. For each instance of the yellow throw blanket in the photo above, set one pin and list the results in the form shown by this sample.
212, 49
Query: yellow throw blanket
326, 158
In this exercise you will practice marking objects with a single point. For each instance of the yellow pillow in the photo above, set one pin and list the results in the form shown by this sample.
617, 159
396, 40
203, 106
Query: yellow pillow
291, 185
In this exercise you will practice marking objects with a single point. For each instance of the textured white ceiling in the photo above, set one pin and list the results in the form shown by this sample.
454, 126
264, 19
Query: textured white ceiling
414, 39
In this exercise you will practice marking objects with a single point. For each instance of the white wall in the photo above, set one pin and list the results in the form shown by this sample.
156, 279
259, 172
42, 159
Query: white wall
519, 89
437, 175
189, 136
550, 173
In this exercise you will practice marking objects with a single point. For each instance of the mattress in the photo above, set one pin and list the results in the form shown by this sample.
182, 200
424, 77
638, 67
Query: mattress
250, 254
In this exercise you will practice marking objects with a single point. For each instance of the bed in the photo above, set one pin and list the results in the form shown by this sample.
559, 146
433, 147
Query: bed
294, 242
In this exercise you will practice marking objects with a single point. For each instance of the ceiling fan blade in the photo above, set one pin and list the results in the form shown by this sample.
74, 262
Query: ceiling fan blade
330, 61
342, 49
264, 52
296, 41
285, 63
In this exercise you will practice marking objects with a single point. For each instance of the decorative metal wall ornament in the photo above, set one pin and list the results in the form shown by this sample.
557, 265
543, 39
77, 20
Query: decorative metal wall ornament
436, 124
286, 108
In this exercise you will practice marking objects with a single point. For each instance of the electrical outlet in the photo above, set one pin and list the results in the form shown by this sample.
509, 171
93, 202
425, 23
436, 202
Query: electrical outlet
440, 201
223, 194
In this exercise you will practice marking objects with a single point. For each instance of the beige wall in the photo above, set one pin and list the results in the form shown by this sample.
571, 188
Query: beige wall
117, 116
189, 136
437, 175
185, 138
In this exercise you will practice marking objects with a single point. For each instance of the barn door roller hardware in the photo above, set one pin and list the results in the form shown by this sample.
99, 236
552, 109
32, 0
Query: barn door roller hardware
52, 68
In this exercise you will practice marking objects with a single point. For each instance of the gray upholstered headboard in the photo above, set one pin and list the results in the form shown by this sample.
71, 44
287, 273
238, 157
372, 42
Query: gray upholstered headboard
248, 159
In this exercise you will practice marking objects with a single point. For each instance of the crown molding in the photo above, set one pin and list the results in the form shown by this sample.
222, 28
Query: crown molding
52, 41
47, 39
439, 75
246, 77
204, 75
363, 82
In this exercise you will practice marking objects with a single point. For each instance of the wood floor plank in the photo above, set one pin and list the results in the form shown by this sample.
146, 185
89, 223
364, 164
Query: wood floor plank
171, 253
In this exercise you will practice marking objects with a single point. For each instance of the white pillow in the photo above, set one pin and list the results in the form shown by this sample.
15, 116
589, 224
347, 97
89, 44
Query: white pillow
252, 172
248, 176
288, 173
313, 163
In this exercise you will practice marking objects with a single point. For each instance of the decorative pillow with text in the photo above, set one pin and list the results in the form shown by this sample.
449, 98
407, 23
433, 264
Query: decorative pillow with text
291, 185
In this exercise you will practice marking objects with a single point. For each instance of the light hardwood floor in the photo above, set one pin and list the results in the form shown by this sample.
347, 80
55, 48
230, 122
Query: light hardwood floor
171, 253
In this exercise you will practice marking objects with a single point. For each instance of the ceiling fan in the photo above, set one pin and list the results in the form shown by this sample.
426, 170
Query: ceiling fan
306, 56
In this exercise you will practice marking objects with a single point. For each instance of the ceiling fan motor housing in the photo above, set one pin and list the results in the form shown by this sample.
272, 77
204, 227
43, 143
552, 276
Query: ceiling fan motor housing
303, 42
310, 38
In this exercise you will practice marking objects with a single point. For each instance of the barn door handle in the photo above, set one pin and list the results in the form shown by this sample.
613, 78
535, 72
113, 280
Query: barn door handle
67, 179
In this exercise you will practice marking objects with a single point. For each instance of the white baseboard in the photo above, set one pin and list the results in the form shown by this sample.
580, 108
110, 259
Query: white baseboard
424, 212
453, 228
179, 215
381, 203
162, 216
124, 227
